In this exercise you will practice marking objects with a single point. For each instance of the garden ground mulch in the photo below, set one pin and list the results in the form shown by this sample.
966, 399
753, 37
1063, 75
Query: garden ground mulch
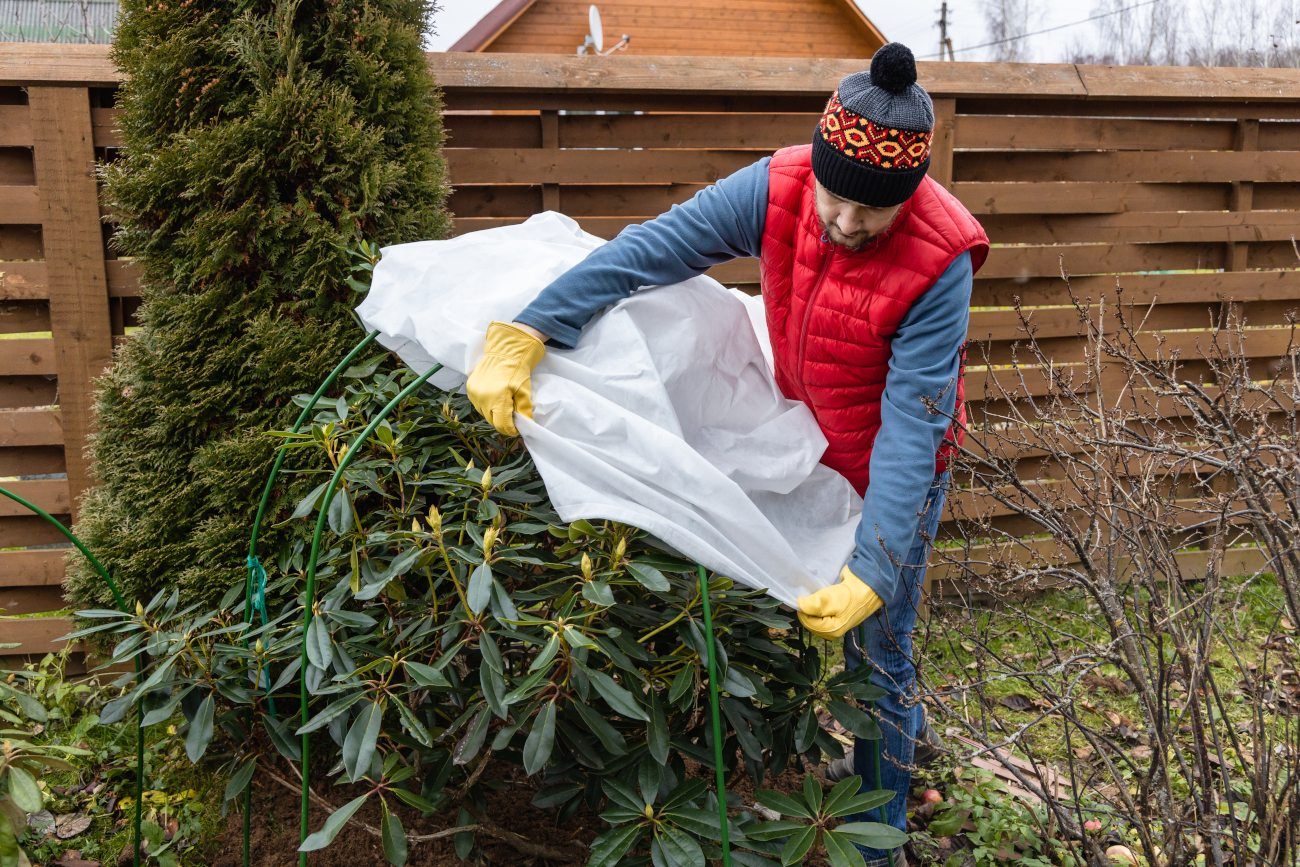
274, 838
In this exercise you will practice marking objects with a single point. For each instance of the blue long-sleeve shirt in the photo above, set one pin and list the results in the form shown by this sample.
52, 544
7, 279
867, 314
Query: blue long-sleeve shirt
724, 222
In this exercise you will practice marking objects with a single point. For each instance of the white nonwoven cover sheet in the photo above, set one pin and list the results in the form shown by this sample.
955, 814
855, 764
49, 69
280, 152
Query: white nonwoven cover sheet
664, 416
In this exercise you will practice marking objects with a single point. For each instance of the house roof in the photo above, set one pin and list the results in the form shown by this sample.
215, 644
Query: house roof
496, 22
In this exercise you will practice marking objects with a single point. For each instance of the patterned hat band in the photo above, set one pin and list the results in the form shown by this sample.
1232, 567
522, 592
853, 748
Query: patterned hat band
859, 139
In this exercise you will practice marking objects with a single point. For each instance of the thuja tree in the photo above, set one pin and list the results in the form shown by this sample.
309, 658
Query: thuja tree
262, 141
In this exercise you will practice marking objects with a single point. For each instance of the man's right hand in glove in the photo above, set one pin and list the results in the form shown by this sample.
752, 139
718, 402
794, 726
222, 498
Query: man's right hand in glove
501, 384
833, 611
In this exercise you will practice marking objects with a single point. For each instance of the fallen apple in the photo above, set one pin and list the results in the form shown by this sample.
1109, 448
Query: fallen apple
1121, 855
932, 796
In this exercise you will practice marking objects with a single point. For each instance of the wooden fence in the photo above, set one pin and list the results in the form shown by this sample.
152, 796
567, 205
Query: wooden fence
1187, 180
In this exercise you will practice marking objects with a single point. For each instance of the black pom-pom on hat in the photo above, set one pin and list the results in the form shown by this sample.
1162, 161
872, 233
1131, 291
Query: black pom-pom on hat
893, 68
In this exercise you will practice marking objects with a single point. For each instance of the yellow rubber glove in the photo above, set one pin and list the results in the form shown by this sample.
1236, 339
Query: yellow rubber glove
501, 383
833, 611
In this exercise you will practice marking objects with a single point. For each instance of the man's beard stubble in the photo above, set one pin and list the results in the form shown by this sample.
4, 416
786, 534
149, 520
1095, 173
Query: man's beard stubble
852, 242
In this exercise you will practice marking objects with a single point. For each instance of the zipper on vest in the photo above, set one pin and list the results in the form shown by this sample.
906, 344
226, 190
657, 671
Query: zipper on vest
807, 315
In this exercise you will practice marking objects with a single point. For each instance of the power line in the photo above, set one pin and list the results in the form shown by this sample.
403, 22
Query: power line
1050, 29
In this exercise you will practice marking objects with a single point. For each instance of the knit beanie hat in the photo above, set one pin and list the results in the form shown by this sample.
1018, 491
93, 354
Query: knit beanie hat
872, 145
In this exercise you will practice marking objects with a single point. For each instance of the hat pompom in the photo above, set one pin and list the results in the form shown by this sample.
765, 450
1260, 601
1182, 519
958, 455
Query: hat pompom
893, 68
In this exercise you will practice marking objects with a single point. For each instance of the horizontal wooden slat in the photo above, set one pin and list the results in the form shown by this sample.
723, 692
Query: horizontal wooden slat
36, 63
31, 600
16, 167
687, 74
32, 460
1191, 564
17, 392
1140, 289
602, 227
1189, 82
22, 317
1277, 197
1045, 261
795, 75
1141, 227
1152, 167
19, 205
1278, 136
1052, 323
123, 278
732, 130
30, 427
15, 126
578, 200
104, 123
36, 635
1273, 254
33, 568
582, 100
578, 166
1087, 197
48, 494
28, 529
1139, 108
1088, 133
21, 242
1071, 197
546, 166
26, 356
490, 130
1266, 343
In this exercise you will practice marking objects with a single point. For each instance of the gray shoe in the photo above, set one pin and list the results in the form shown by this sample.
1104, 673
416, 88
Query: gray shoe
840, 769
929, 749
899, 859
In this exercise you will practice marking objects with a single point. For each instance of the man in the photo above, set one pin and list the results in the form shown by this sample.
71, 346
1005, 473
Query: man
866, 268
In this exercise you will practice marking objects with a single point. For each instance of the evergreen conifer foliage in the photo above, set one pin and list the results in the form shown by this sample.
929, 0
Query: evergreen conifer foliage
263, 141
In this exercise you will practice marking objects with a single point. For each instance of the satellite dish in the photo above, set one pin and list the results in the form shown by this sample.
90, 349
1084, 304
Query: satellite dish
597, 32
594, 42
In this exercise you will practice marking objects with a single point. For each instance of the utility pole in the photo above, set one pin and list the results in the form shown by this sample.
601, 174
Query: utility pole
945, 41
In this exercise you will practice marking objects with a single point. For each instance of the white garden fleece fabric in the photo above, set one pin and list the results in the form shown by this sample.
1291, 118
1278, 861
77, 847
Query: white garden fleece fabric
664, 416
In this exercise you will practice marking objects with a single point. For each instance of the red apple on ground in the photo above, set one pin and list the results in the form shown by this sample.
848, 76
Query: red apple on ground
932, 796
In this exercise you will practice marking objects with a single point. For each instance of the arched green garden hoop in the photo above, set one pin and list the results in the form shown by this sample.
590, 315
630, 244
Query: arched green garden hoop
309, 599
121, 604
256, 574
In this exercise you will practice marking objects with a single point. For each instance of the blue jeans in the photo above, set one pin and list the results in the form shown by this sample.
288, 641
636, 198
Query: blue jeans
889, 648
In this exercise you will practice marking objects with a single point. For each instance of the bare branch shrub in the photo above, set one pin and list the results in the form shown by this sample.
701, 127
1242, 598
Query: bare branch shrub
1155, 486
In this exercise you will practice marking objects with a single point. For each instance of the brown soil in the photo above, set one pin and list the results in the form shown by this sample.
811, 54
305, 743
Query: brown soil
274, 838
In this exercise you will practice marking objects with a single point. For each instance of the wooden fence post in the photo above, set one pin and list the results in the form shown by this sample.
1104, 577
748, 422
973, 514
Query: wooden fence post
1243, 192
63, 152
550, 139
945, 113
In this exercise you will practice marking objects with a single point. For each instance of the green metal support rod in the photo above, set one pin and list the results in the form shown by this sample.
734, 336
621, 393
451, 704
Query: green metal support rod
717, 722
871, 709
309, 599
121, 604
257, 528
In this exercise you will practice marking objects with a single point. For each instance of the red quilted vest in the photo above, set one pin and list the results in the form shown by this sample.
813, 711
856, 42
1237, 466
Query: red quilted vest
832, 312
